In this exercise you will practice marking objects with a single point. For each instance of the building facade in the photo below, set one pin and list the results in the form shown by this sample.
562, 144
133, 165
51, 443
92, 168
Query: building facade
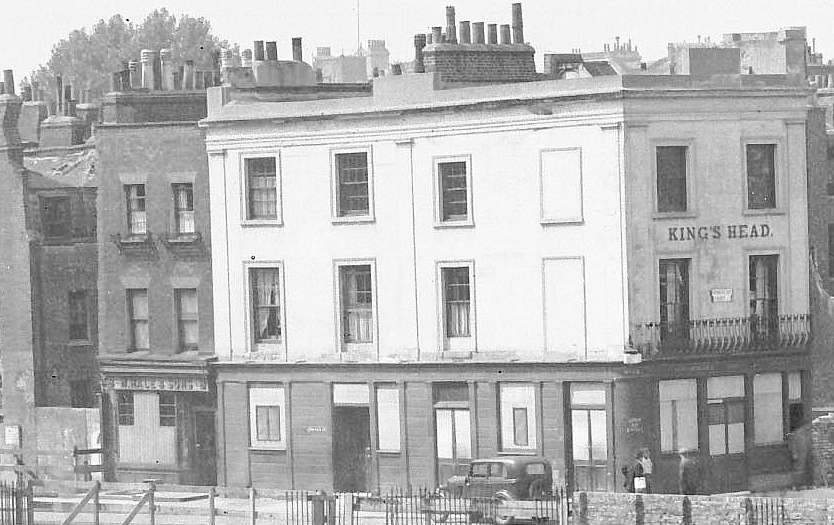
577, 269
154, 286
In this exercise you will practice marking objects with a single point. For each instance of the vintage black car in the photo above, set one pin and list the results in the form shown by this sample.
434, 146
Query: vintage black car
503, 478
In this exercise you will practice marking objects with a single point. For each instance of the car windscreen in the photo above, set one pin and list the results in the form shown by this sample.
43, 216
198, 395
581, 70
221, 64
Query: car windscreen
535, 468
479, 470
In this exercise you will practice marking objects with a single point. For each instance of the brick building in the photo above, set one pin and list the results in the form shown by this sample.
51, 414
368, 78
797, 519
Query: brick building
574, 268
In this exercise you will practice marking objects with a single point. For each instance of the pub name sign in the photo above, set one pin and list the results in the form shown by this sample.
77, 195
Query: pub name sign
718, 232
172, 383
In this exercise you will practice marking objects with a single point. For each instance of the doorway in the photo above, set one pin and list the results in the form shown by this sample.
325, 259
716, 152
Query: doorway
204, 454
351, 448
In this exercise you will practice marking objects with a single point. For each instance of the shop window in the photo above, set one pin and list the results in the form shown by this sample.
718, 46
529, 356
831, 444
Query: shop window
125, 408
457, 301
518, 416
352, 184
262, 189
187, 318
678, 415
388, 418
726, 415
55, 217
265, 286
671, 178
589, 436
356, 298
137, 220
184, 208
454, 191
266, 416
167, 409
137, 300
761, 176
674, 299
767, 408
77, 308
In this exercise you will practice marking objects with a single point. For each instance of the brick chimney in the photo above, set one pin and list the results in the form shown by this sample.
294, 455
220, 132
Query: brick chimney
296, 49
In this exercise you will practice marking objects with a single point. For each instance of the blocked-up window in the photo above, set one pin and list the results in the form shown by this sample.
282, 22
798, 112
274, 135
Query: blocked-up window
767, 408
267, 416
761, 176
561, 185
388, 418
55, 216
518, 416
167, 409
678, 415
125, 408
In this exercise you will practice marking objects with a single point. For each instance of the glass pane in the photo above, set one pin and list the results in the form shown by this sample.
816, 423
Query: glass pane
580, 396
687, 424
671, 178
480, 470
761, 176
715, 414
443, 420
677, 389
795, 382
735, 433
454, 192
188, 303
599, 441
463, 440
767, 417
725, 386
579, 425
717, 443
520, 427
667, 443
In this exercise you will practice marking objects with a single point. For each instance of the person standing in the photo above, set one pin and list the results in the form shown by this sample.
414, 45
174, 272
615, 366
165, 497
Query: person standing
633, 474
645, 460
689, 472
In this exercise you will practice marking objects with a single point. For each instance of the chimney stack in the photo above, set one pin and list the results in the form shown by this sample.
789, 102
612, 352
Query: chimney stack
59, 93
465, 35
296, 49
8, 82
147, 58
188, 75
226, 59
271, 51
167, 67
492, 33
477, 32
419, 44
450, 25
135, 74
518, 25
436, 34
258, 50
246, 58
505, 34
36, 92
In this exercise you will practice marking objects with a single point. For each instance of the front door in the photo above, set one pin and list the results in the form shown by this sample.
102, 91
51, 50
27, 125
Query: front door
728, 460
454, 443
351, 448
590, 449
206, 471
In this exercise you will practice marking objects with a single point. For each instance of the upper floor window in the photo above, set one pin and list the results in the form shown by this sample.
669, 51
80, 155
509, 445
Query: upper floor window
137, 222
55, 216
138, 317
184, 208
356, 285
262, 188
674, 299
187, 318
454, 191
671, 178
352, 184
77, 308
456, 301
265, 286
761, 176
763, 293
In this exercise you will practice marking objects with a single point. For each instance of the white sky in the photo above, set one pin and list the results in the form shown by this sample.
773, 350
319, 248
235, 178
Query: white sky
31, 27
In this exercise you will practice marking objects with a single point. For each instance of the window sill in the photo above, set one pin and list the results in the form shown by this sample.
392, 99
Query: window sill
454, 224
765, 211
658, 216
268, 448
518, 452
389, 452
353, 219
80, 342
261, 223
563, 222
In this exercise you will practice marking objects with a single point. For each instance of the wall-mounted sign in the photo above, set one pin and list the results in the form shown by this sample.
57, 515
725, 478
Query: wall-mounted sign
13, 436
721, 295
315, 430
718, 232
173, 383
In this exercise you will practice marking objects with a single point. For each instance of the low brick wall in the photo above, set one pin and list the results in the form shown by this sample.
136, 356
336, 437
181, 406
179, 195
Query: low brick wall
822, 445
616, 508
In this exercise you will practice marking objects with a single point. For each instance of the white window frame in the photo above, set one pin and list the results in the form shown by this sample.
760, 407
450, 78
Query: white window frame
244, 187
579, 219
334, 186
779, 175
180, 318
453, 344
176, 187
390, 420
341, 345
510, 397
439, 222
691, 198
251, 345
262, 394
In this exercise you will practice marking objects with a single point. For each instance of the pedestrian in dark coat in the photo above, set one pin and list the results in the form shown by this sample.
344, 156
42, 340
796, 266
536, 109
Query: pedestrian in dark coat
689, 472
630, 472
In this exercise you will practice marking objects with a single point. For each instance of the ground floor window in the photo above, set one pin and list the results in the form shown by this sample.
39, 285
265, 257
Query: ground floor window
589, 435
725, 415
388, 418
518, 416
678, 415
796, 410
266, 416
147, 428
768, 423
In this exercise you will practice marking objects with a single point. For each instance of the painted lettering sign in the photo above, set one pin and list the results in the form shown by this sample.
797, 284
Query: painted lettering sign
315, 430
178, 384
718, 232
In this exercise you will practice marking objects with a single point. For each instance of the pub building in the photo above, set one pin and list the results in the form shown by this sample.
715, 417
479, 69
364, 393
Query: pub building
555, 267
154, 288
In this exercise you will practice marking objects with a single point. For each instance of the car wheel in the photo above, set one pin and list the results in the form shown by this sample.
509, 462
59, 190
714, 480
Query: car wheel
499, 519
537, 490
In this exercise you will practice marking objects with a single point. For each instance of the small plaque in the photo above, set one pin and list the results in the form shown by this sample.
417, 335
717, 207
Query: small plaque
12, 436
721, 295
315, 430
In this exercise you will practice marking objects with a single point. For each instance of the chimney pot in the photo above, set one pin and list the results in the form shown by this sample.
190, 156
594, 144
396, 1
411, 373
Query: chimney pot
396, 69
518, 24
8, 82
36, 92
59, 93
246, 58
188, 75
419, 44
436, 34
477, 32
505, 34
258, 50
271, 51
226, 58
147, 58
135, 74
465, 34
450, 25
492, 32
429, 38
166, 69
296, 49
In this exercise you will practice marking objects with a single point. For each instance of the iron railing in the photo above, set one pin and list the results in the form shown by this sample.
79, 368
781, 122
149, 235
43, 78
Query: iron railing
728, 335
